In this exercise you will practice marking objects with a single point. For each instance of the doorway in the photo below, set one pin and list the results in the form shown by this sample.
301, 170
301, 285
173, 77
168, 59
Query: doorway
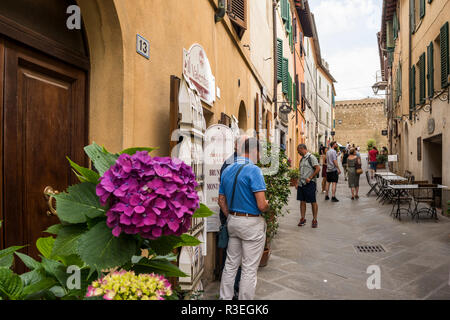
43, 117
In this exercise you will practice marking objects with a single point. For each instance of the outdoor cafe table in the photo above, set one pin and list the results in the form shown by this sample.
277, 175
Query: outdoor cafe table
397, 190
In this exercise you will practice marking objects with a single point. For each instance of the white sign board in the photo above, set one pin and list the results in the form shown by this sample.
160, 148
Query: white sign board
392, 158
143, 46
219, 146
197, 72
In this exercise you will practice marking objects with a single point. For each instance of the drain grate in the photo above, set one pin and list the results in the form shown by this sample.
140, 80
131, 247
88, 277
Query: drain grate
370, 248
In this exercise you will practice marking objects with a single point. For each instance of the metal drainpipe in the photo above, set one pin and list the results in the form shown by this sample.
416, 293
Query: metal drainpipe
409, 59
275, 57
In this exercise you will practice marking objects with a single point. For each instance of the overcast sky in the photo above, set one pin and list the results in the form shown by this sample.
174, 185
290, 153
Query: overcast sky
347, 33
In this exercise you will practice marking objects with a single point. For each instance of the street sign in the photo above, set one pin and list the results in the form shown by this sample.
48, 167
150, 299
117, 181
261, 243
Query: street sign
333, 133
143, 46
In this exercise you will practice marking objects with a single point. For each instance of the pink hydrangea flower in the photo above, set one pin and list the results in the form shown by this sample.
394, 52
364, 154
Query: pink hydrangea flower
149, 196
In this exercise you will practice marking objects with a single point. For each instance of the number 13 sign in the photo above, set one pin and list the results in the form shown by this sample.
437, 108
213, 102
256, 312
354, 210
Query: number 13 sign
143, 46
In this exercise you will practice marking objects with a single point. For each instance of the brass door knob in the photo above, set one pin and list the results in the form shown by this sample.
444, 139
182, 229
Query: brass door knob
49, 194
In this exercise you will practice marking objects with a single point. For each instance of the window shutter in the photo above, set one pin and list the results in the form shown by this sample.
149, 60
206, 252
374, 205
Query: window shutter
237, 11
284, 4
294, 30
395, 25
279, 60
422, 91
301, 43
412, 11
389, 35
285, 75
291, 42
289, 18
412, 91
430, 74
443, 38
289, 95
400, 80
422, 8
297, 90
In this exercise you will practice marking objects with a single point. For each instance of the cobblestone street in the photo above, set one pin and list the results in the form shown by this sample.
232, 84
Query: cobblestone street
322, 263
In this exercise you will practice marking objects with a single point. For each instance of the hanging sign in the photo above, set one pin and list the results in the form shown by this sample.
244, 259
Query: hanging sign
197, 71
219, 146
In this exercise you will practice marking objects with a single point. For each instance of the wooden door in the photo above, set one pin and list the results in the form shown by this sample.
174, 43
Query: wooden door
44, 120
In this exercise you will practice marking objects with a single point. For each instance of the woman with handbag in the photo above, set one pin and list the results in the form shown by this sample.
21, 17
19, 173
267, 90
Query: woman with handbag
354, 172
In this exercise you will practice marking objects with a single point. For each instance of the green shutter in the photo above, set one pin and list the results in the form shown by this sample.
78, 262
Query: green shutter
294, 96
395, 26
289, 93
422, 8
284, 4
285, 75
430, 74
422, 89
289, 19
291, 42
412, 91
279, 60
443, 38
389, 35
412, 15
400, 80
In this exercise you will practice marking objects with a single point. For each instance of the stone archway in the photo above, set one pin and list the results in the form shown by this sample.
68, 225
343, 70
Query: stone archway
242, 116
106, 78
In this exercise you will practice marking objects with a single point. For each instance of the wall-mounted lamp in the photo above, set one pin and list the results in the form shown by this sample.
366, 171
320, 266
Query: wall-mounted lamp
380, 85
247, 46
220, 12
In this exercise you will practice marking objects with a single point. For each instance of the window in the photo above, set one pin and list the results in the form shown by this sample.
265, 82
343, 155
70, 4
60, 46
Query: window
430, 68
421, 65
279, 60
412, 90
285, 75
437, 58
445, 68
412, 14
237, 12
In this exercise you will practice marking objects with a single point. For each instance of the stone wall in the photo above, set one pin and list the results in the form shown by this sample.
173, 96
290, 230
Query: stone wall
360, 120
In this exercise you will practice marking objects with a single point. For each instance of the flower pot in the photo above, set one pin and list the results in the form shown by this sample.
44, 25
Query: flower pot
381, 166
265, 258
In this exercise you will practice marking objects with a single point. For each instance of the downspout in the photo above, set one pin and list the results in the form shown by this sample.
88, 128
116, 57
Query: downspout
275, 57
411, 12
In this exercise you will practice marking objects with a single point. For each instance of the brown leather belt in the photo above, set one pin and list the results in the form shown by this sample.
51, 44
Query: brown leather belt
243, 214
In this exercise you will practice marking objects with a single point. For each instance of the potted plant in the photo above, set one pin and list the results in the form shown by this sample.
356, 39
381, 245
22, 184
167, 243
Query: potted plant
293, 175
277, 193
381, 161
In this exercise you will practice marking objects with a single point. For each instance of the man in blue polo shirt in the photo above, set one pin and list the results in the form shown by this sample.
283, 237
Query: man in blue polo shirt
242, 199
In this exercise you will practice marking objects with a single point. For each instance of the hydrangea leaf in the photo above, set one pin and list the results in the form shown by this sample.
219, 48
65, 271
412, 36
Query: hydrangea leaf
54, 229
11, 285
100, 249
101, 158
132, 151
10, 250
80, 202
32, 277
55, 269
7, 261
202, 212
66, 242
165, 244
162, 267
29, 261
88, 174
36, 289
45, 246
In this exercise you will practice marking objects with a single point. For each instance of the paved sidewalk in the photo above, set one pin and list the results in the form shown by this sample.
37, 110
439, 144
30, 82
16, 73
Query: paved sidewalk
322, 263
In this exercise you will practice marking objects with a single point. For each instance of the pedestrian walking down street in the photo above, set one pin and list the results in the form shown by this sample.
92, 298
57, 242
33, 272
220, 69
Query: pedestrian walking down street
223, 219
373, 153
333, 172
323, 161
353, 163
344, 163
307, 184
242, 199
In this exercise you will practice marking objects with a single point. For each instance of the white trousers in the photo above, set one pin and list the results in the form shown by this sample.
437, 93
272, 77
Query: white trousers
247, 236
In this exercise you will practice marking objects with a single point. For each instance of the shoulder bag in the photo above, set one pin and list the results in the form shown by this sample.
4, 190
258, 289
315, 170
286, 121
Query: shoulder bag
222, 241
358, 167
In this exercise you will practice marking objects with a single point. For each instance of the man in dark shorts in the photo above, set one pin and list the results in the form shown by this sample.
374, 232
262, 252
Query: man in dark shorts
333, 172
306, 189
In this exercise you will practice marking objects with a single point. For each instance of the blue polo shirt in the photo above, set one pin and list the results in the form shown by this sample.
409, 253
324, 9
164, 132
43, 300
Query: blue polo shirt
250, 180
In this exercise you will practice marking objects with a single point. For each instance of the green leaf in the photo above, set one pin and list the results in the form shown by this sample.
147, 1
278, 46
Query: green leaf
36, 288
55, 269
10, 284
162, 267
79, 203
132, 151
99, 248
45, 246
10, 250
7, 261
32, 276
66, 242
165, 244
29, 261
88, 174
202, 212
71, 260
101, 158
54, 229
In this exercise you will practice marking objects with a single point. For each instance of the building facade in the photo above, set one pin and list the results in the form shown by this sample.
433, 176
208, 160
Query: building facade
414, 54
357, 121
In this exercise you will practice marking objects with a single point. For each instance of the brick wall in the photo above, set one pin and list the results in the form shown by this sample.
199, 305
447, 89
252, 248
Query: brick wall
360, 120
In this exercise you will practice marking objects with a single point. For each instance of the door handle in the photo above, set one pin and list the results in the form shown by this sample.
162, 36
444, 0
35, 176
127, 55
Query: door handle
49, 194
